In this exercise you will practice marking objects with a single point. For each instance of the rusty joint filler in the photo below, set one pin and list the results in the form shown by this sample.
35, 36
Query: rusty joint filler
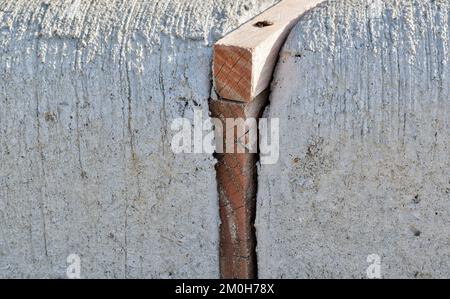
243, 66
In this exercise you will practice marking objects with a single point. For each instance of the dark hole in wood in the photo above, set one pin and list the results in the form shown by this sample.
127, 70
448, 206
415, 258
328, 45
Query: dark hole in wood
262, 24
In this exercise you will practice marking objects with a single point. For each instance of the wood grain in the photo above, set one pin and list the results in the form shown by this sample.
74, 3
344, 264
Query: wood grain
237, 185
244, 60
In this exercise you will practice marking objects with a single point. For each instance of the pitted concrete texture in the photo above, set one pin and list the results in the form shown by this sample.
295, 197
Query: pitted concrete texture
362, 94
88, 91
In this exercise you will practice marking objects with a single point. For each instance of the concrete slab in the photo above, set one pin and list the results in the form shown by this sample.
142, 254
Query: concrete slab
88, 91
362, 94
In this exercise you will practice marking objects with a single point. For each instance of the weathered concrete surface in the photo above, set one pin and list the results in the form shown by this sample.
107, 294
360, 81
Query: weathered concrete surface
362, 93
88, 90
